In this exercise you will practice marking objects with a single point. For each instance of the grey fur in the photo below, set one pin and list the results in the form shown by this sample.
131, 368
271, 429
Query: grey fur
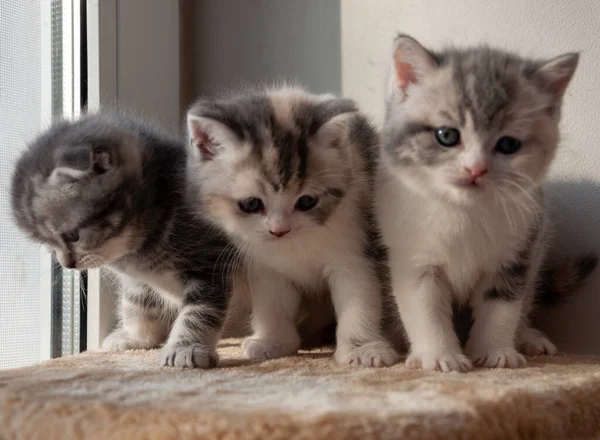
487, 95
107, 177
487, 83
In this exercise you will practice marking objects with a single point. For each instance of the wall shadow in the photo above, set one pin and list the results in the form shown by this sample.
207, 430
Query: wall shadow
240, 42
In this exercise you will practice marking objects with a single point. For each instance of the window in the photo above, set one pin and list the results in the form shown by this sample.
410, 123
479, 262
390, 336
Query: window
42, 309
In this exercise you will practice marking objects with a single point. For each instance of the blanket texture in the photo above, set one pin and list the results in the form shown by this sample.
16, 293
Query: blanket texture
100, 395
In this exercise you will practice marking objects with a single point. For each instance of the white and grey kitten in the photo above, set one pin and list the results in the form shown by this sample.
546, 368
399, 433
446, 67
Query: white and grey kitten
468, 138
290, 176
106, 191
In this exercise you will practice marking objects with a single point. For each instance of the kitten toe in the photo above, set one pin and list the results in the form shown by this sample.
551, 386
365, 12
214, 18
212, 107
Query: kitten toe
188, 356
445, 363
262, 349
532, 342
540, 347
506, 357
119, 340
372, 354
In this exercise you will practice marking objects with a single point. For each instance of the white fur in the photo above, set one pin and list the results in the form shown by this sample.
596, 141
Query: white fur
317, 259
442, 252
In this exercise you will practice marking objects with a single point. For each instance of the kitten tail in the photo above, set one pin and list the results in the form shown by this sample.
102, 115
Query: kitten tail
559, 283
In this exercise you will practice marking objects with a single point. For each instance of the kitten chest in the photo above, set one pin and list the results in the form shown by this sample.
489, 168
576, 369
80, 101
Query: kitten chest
166, 284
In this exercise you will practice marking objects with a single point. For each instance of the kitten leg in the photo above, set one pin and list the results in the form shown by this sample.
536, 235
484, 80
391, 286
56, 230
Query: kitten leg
196, 331
426, 310
275, 304
501, 314
492, 339
357, 300
144, 320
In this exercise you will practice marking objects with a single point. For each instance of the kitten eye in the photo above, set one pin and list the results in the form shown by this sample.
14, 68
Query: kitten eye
70, 237
447, 137
306, 203
508, 145
251, 205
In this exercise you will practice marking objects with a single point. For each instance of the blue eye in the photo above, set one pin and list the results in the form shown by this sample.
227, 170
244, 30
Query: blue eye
508, 145
306, 203
251, 205
447, 137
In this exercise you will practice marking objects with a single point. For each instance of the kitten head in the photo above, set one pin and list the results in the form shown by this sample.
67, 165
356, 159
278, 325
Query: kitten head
71, 191
269, 165
467, 125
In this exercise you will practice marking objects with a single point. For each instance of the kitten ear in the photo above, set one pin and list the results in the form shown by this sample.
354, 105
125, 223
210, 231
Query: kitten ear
555, 75
206, 135
78, 162
411, 62
332, 132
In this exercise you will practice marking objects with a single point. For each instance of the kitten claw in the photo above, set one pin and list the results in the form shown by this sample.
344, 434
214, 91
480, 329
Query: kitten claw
374, 354
500, 358
263, 349
188, 356
443, 362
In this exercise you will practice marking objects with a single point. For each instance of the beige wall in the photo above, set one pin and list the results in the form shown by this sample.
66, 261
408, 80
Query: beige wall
236, 42
533, 27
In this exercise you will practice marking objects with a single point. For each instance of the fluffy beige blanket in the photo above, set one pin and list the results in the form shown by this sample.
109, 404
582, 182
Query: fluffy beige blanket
100, 395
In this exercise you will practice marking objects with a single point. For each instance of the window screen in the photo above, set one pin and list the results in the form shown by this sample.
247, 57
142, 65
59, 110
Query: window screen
20, 119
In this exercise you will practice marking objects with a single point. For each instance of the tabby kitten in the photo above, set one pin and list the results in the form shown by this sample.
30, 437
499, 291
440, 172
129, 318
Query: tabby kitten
108, 192
468, 138
290, 176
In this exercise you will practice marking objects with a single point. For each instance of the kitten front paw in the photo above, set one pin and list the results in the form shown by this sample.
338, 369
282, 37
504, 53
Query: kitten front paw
188, 356
444, 362
258, 349
119, 340
372, 354
532, 342
506, 357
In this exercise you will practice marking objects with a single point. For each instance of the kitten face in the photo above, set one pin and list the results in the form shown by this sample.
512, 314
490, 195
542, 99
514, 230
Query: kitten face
270, 166
68, 193
468, 126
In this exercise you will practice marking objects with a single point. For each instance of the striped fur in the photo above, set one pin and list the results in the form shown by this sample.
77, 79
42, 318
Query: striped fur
109, 192
277, 146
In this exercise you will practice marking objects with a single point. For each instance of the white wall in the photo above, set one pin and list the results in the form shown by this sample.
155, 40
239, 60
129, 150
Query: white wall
532, 27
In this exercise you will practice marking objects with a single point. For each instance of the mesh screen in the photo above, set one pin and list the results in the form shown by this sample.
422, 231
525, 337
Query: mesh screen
20, 120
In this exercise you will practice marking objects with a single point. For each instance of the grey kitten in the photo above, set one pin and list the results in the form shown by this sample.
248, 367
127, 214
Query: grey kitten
290, 175
467, 141
109, 192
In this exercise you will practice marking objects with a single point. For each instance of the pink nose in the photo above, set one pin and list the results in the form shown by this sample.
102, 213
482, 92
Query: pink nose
279, 232
476, 171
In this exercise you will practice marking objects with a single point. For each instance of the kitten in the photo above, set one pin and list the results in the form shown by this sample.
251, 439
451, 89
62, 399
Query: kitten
108, 192
290, 176
467, 140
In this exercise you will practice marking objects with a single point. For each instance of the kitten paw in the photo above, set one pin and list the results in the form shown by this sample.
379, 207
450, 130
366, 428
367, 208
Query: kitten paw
262, 349
444, 362
188, 356
499, 358
532, 342
372, 354
119, 340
